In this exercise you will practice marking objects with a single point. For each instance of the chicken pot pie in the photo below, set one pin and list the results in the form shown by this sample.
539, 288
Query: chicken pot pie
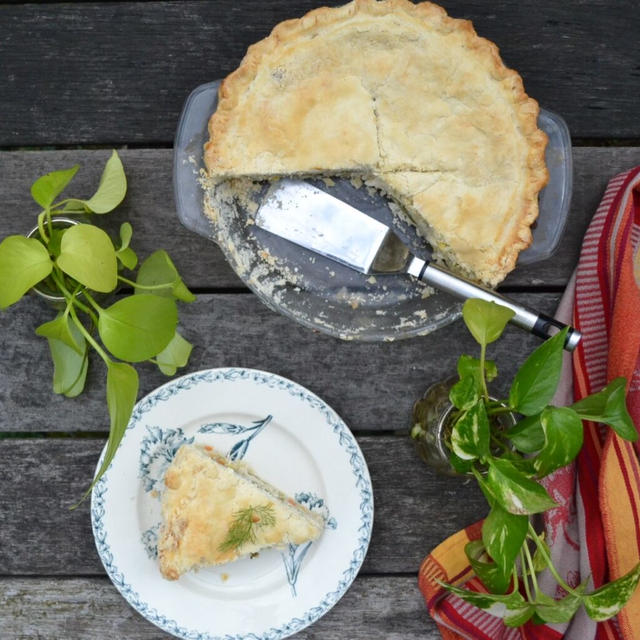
215, 511
407, 99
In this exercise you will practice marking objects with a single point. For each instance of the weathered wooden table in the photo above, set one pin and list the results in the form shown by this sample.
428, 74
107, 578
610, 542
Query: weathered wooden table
77, 79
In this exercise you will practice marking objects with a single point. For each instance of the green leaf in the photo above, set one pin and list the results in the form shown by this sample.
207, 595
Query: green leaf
88, 256
181, 292
73, 205
490, 370
496, 604
470, 366
174, 355
127, 257
112, 187
486, 490
607, 601
558, 611
609, 406
514, 491
55, 241
527, 435
470, 434
503, 534
69, 365
535, 383
464, 393
126, 233
519, 617
459, 465
158, 269
485, 320
489, 572
23, 263
62, 329
563, 435
78, 387
125, 254
122, 390
539, 562
524, 465
69, 369
138, 327
48, 187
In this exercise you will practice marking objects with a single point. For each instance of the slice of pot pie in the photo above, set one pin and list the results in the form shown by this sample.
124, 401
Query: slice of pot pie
405, 98
215, 511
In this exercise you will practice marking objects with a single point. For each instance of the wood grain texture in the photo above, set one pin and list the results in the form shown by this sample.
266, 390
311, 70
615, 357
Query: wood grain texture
415, 509
371, 385
374, 608
119, 72
149, 205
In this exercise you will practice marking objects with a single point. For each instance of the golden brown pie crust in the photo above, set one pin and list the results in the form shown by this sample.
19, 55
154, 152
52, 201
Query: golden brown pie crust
203, 492
413, 101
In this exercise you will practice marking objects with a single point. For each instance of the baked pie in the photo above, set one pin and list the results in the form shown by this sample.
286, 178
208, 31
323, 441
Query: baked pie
216, 511
407, 99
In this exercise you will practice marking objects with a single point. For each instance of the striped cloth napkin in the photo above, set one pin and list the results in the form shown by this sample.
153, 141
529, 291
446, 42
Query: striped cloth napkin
595, 530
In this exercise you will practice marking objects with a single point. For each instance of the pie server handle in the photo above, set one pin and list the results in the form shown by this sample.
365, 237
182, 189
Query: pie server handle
539, 324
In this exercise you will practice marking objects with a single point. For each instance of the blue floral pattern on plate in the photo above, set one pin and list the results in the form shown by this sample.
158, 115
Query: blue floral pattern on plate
295, 553
158, 449
345, 441
239, 449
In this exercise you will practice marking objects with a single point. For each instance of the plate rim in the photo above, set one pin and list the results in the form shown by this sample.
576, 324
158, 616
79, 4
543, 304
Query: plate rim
345, 440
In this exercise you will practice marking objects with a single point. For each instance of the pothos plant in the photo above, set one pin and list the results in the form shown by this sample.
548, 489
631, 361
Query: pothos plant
508, 464
80, 263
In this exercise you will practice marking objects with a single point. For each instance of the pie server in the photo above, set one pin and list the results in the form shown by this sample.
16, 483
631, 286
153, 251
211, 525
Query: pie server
303, 214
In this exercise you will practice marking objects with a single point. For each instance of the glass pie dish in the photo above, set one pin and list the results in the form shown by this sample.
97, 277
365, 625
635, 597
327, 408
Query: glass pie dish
318, 292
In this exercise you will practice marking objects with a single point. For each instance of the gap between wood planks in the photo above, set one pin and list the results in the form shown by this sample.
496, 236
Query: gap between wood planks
508, 289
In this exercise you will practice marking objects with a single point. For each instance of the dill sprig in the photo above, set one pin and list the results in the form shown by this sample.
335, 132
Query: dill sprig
244, 526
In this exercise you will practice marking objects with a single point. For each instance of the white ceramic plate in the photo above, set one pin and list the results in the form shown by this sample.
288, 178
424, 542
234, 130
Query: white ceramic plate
293, 440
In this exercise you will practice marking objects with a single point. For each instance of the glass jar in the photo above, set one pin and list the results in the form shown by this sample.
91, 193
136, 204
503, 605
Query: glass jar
54, 298
431, 425
430, 417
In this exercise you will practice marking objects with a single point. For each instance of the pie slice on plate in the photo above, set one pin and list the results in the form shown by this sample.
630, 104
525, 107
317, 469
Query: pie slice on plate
407, 99
215, 511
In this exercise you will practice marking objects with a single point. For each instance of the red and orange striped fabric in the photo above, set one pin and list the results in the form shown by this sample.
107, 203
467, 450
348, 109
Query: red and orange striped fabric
595, 530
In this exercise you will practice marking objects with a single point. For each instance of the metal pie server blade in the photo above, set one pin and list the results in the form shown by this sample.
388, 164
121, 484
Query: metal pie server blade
314, 219
301, 213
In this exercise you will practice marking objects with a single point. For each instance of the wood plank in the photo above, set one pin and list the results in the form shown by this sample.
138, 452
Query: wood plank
88, 608
150, 206
98, 76
371, 385
415, 509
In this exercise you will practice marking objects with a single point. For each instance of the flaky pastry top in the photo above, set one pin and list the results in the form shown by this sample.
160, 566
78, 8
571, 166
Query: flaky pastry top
405, 97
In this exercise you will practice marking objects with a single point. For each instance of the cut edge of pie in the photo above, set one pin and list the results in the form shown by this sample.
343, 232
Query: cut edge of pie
205, 494
227, 157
